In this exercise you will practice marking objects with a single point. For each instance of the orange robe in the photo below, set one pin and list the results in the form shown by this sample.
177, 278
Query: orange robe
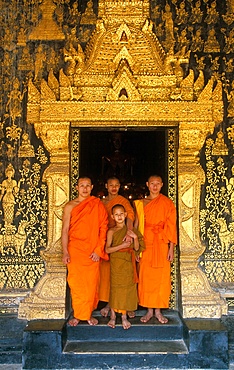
87, 234
104, 290
159, 226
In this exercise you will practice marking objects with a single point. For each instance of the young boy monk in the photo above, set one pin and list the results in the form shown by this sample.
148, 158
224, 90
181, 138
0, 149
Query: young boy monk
113, 185
123, 279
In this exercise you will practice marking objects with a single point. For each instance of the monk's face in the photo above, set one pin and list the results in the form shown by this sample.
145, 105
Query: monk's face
84, 187
155, 185
113, 186
119, 215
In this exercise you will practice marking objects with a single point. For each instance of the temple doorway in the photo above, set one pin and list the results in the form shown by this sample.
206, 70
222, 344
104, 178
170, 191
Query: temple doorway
129, 155
132, 155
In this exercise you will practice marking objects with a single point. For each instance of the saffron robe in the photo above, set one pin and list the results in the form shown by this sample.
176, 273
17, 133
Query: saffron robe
157, 221
123, 287
87, 234
104, 290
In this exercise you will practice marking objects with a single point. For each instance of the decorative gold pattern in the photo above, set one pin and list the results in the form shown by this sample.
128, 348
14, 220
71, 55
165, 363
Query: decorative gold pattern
14, 105
172, 140
216, 222
220, 148
47, 29
195, 287
20, 264
89, 17
48, 300
75, 156
230, 131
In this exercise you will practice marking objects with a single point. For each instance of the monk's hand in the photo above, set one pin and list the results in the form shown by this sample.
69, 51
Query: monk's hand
137, 258
131, 234
127, 238
170, 255
126, 244
94, 257
66, 258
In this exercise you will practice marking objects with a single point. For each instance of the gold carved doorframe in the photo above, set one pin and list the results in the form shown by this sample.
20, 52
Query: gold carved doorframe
171, 156
52, 121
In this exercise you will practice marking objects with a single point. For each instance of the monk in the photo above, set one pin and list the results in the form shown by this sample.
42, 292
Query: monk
156, 220
113, 185
123, 282
83, 239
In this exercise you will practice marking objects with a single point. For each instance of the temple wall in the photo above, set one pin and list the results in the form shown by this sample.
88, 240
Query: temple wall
35, 144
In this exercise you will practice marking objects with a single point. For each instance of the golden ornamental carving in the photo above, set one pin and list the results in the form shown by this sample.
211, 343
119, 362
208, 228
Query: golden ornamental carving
230, 98
57, 145
21, 266
199, 84
206, 93
88, 17
169, 28
216, 218
53, 83
47, 28
211, 45
212, 14
196, 291
48, 297
229, 16
14, 103
104, 111
133, 12
220, 147
46, 93
123, 34
187, 87
123, 87
26, 149
182, 14
34, 95
230, 131
9, 189
41, 304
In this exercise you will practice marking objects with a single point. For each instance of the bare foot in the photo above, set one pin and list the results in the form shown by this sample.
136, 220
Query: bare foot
92, 321
131, 314
148, 316
73, 322
125, 323
105, 310
162, 319
111, 323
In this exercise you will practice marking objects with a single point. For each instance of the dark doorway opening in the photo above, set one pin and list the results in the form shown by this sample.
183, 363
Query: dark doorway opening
148, 150
130, 155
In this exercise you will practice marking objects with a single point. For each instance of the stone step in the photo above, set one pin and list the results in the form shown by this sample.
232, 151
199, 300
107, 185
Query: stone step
150, 331
11, 339
130, 347
10, 356
151, 337
180, 344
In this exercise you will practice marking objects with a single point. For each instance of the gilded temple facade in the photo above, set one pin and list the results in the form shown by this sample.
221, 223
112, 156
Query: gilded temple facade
116, 65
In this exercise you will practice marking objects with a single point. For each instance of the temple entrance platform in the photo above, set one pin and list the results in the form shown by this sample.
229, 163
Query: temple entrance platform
179, 344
